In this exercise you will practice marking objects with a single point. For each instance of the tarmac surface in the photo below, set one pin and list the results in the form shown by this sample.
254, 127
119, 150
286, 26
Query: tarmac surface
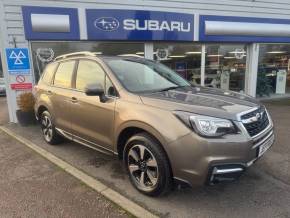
263, 191
31, 186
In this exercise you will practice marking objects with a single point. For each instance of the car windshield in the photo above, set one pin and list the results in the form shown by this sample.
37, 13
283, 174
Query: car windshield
141, 75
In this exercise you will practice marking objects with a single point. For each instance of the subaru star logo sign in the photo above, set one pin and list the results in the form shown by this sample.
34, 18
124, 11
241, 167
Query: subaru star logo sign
107, 23
139, 25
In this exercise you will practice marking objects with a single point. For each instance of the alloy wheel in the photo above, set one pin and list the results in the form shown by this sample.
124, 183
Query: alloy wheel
47, 128
143, 167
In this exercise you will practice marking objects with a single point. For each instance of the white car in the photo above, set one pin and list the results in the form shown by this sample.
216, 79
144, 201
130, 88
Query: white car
2, 87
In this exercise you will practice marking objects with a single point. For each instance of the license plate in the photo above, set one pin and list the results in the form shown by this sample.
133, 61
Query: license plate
264, 147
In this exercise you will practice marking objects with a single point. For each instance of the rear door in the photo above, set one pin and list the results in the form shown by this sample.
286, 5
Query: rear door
92, 120
60, 95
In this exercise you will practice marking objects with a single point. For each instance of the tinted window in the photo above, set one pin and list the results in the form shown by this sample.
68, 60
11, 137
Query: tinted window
139, 75
63, 74
89, 72
48, 72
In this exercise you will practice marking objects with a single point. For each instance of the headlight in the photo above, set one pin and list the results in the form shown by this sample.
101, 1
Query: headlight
205, 125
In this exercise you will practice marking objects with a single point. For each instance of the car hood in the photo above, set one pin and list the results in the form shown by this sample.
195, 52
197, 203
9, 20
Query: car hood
202, 100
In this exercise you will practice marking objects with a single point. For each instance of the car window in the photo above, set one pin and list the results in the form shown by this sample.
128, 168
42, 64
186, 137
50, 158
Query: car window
89, 72
138, 75
48, 72
64, 74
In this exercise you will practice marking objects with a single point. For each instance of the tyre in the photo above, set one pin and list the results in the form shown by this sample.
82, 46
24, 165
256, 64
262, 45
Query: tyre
49, 132
147, 165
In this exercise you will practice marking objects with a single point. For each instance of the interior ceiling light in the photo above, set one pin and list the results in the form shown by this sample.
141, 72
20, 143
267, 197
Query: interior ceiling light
177, 56
130, 55
276, 52
193, 52
215, 55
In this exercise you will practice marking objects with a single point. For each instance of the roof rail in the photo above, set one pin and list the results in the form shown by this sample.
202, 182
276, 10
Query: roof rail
84, 53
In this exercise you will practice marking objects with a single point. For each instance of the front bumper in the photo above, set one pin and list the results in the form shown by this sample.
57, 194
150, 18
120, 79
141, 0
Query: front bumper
196, 160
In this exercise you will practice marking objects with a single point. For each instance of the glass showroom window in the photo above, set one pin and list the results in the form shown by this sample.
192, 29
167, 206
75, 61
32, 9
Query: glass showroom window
225, 66
45, 52
274, 70
184, 58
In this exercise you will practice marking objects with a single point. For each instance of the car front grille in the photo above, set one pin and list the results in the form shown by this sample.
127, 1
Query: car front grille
253, 124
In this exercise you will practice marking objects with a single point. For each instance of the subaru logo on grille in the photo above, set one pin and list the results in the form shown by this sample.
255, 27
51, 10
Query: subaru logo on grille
259, 115
107, 23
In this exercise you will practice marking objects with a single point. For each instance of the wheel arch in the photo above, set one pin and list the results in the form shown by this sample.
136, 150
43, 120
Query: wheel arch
131, 128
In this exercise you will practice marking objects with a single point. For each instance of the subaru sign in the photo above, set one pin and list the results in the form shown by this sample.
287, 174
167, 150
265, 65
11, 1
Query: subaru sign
138, 25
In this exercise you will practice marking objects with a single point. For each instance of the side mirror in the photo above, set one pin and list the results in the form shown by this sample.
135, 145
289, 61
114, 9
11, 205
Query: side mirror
96, 90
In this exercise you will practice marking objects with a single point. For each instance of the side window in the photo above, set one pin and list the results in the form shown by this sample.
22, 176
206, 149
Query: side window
89, 72
48, 73
110, 89
63, 75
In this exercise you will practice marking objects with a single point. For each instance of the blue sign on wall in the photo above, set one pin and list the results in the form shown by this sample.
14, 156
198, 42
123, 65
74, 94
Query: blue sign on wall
17, 60
254, 37
138, 25
73, 32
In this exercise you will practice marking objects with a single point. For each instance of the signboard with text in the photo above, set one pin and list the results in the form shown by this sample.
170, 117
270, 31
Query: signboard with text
20, 82
107, 24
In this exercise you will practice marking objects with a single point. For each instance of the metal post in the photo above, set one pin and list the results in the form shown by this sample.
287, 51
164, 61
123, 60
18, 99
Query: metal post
202, 66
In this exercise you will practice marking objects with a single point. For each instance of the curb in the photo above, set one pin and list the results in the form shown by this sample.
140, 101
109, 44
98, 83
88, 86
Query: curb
98, 186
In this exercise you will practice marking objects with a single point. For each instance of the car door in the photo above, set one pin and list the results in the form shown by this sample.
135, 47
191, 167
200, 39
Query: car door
92, 120
60, 95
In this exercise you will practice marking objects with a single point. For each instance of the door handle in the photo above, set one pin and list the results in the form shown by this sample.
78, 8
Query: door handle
74, 100
49, 92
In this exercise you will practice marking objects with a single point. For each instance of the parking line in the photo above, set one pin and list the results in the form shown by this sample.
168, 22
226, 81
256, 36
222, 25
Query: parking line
98, 186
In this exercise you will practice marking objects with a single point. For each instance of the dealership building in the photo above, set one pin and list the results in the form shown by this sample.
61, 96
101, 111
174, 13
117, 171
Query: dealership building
238, 45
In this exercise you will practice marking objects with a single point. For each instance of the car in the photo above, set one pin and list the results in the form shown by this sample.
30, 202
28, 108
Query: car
165, 130
2, 87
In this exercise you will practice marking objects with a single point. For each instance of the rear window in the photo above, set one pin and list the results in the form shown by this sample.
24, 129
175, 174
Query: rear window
48, 73
63, 75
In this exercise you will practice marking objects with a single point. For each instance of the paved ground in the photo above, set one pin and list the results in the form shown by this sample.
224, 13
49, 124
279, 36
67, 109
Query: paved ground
33, 187
264, 191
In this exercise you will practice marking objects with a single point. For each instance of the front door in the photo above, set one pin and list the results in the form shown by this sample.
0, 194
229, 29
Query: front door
92, 120
60, 95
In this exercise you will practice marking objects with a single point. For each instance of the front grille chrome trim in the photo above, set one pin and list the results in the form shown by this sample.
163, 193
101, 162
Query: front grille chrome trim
239, 116
245, 121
